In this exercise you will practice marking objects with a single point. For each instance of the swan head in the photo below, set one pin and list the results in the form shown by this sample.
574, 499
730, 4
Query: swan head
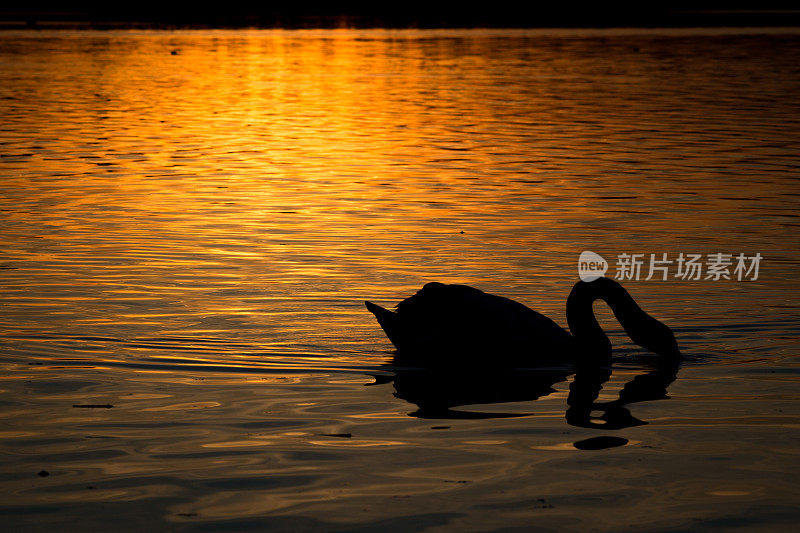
656, 337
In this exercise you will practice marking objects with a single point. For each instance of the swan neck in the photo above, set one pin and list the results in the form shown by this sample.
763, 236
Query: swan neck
583, 325
581, 319
642, 328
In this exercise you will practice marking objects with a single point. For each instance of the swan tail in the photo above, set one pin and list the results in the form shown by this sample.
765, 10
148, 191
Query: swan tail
388, 320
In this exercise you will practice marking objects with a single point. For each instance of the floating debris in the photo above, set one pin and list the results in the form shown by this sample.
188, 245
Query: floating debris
544, 504
600, 443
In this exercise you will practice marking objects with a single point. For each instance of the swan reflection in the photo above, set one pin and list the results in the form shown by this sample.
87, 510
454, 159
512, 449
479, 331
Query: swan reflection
438, 393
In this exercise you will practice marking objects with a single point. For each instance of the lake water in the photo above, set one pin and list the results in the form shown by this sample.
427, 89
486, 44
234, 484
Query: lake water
191, 222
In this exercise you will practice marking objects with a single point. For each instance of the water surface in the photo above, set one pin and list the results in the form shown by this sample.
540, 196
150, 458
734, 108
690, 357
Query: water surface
191, 221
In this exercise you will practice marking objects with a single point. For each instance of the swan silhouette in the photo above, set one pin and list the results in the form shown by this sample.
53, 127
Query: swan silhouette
453, 324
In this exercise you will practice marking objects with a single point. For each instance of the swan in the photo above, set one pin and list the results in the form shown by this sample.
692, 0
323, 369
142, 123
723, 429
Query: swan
443, 324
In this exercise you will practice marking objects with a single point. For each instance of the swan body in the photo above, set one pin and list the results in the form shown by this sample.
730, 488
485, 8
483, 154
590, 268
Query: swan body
443, 324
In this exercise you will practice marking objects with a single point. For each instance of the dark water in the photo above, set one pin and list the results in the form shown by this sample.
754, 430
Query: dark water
189, 238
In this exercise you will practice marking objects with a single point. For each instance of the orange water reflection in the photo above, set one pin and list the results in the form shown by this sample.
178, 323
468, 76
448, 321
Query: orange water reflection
190, 238
258, 185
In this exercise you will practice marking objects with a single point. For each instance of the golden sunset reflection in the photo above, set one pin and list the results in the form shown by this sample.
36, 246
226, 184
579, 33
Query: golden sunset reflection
191, 222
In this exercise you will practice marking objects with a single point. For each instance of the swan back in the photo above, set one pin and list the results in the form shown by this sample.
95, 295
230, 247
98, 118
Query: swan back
457, 322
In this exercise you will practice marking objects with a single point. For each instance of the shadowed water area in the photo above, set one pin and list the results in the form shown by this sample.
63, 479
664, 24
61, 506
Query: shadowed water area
192, 220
